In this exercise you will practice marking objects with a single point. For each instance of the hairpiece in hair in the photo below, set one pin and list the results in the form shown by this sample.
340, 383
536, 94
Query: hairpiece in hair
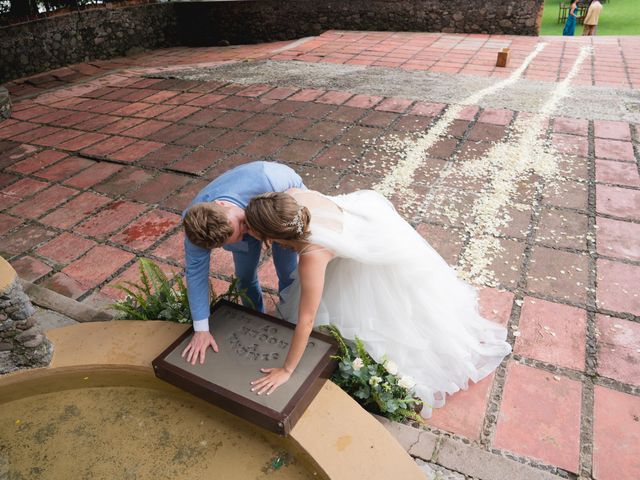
297, 222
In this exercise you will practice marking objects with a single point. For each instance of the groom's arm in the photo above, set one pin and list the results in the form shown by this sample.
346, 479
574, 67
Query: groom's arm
197, 262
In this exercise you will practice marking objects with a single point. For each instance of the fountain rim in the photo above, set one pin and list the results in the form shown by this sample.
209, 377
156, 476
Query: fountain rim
342, 439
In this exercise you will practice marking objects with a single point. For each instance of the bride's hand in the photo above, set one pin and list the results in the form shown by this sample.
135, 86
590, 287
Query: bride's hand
274, 378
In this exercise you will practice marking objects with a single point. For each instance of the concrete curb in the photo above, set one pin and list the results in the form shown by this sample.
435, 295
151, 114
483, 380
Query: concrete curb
45, 298
460, 457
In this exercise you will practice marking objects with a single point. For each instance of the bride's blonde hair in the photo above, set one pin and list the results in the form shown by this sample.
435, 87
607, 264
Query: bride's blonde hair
277, 216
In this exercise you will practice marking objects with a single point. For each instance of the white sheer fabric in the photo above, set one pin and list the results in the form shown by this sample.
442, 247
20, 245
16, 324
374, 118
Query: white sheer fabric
390, 288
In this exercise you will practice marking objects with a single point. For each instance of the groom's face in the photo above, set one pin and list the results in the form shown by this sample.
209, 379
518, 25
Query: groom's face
237, 221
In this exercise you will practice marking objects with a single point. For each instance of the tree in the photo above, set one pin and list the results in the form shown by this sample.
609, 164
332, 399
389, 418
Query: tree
23, 8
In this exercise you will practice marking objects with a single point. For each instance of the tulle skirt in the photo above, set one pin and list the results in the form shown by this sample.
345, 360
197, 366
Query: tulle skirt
390, 288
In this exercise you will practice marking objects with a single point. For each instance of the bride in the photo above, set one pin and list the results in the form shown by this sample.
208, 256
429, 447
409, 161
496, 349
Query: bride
367, 271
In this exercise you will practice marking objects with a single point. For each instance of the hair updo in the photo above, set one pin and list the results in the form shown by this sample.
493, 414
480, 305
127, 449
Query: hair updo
277, 216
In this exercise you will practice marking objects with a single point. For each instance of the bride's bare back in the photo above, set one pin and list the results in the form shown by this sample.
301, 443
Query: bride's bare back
324, 212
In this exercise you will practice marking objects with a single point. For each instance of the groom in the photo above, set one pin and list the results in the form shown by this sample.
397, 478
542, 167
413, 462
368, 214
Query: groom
214, 219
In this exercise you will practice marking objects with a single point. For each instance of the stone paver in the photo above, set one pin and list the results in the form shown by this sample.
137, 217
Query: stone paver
96, 173
619, 349
616, 433
550, 407
97, 265
618, 286
618, 202
65, 248
558, 274
552, 333
618, 239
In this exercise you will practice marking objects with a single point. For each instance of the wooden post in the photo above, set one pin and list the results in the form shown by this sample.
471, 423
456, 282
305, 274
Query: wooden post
503, 58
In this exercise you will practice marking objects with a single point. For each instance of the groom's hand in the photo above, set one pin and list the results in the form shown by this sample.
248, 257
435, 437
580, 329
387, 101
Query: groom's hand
198, 347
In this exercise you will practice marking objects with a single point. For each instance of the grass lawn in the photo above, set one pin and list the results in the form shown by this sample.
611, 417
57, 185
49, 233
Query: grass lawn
618, 17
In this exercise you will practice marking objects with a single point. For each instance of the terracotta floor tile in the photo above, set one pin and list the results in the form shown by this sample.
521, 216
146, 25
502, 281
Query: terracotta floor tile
570, 144
463, 412
620, 173
552, 333
614, 150
172, 248
125, 180
618, 287
395, 105
495, 304
20, 190
44, 201
37, 162
7, 223
30, 269
616, 435
618, 239
566, 194
619, 202
574, 126
24, 239
64, 168
65, 248
618, 349
75, 210
65, 285
496, 116
550, 408
612, 129
110, 219
94, 174
146, 230
559, 274
97, 265
562, 228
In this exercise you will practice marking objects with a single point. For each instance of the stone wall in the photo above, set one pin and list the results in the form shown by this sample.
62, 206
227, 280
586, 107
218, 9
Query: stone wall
101, 33
22, 345
206, 23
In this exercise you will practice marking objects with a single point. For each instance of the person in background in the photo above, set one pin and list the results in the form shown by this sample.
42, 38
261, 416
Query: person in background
570, 24
591, 19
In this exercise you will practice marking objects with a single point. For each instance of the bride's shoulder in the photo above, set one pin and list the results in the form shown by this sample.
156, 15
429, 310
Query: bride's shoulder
295, 191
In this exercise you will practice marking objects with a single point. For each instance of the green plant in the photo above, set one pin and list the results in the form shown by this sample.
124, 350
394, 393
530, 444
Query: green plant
157, 297
376, 386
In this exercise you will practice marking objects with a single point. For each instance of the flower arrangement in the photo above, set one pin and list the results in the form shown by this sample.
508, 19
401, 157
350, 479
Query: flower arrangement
158, 297
378, 387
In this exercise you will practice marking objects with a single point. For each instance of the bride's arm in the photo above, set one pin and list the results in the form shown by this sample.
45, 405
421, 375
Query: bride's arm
311, 269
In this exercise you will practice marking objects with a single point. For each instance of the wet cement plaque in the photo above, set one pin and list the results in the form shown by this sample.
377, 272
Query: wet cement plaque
248, 341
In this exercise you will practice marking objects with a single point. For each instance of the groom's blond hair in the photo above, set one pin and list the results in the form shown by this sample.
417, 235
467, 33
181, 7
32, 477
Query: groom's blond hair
207, 226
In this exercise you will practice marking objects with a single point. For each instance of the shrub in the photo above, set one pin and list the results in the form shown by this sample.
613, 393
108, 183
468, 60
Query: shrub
157, 297
376, 386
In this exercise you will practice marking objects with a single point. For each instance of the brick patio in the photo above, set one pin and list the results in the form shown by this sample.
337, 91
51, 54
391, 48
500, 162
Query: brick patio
97, 162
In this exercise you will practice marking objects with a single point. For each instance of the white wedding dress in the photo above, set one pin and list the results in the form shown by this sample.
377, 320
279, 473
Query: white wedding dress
389, 287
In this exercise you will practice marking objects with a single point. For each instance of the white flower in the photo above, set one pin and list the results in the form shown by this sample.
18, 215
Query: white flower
375, 380
406, 382
357, 364
391, 367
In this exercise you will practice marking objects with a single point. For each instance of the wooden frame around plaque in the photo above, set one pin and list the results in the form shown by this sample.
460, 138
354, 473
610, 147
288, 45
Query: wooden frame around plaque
277, 420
